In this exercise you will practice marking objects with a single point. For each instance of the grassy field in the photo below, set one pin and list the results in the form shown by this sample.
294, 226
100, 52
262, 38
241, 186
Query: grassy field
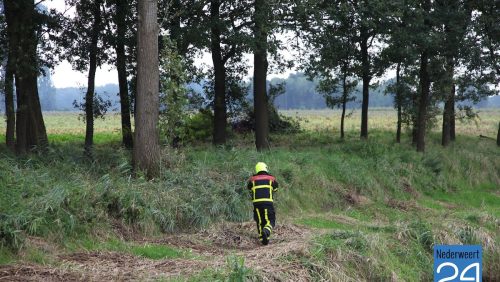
385, 120
349, 210
70, 123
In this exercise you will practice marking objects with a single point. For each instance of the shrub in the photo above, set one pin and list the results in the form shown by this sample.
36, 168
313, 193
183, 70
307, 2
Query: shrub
277, 123
10, 234
199, 127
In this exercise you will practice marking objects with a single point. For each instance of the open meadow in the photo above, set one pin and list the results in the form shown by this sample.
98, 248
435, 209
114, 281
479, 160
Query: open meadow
347, 210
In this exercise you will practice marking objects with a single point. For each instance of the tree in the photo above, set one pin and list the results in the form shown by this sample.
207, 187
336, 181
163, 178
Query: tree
328, 87
46, 90
398, 100
21, 16
9, 97
220, 118
223, 47
120, 18
83, 36
469, 65
186, 30
487, 28
365, 22
146, 146
261, 22
453, 19
400, 53
6, 56
228, 41
89, 96
332, 58
425, 81
368, 25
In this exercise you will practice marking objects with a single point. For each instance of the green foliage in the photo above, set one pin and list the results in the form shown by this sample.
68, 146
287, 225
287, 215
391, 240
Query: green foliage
237, 270
100, 107
6, 256
234, 271
10, 233
174, 94
422, 232
467, 236
199, 126
278, 123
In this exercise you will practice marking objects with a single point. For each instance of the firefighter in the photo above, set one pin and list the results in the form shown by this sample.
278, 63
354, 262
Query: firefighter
262, 185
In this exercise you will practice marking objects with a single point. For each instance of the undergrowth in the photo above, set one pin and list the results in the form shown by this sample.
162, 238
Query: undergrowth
59, 194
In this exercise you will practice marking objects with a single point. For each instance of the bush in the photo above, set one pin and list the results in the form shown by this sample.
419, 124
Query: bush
10, 234
199, 127
277, 123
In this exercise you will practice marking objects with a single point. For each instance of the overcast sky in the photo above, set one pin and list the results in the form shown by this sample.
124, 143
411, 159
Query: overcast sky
64, 76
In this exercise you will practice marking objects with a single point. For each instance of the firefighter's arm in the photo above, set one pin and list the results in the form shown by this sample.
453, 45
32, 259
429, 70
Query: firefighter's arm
249, 189
275, 185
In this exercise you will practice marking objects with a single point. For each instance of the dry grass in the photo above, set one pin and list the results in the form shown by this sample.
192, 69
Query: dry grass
385, 119
210, 248
379, 119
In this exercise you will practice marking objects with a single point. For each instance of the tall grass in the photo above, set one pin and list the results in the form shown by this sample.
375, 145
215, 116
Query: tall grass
60, 194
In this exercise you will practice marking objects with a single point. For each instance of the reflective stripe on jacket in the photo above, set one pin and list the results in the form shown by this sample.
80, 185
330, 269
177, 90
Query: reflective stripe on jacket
262, 186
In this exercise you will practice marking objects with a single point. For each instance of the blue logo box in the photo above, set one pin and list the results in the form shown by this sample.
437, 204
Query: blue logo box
458, 263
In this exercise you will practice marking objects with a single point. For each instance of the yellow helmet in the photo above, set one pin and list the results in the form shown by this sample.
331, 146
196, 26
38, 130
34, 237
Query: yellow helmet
260, 166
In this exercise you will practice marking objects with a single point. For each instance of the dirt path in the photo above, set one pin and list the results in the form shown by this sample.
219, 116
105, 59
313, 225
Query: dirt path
210, 248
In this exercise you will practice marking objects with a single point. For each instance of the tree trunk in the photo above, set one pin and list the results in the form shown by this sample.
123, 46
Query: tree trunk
220, 119
448, 110
260, 76
344, 102
89, 96
121, 26
9, 101
425, 85
498, 135
452, 117
423, 101
365, 62
30, 128
445, 134
146, 145
414, 118
398, 102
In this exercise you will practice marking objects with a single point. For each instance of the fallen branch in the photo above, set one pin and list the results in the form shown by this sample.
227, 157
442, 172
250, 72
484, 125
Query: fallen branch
486, 137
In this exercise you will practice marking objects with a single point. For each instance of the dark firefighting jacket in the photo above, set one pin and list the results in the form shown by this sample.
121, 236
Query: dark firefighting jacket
261, 186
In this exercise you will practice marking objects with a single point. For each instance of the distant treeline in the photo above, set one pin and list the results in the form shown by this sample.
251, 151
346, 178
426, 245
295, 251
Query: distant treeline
300, 93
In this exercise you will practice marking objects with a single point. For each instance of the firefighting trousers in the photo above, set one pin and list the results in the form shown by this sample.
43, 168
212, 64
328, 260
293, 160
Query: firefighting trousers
263, 214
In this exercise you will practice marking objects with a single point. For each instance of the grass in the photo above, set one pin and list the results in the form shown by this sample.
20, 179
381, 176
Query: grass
146, 250
322, 223
396, 203
384, 119
234, 271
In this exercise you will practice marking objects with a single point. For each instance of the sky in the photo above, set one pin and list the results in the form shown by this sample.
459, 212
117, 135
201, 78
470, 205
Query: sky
64, 76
